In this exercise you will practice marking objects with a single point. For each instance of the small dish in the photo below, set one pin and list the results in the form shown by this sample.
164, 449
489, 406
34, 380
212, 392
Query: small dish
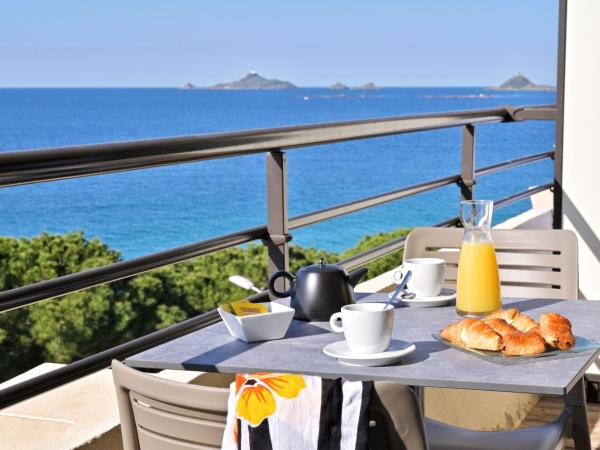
445, 297
259, 327
344, 355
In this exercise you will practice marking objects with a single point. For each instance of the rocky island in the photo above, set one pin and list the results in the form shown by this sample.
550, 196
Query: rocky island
187, 86
254, 81
339, 86
366, 87
521, 83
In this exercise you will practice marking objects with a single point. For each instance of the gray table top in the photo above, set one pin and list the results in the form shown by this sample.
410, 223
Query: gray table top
433, 363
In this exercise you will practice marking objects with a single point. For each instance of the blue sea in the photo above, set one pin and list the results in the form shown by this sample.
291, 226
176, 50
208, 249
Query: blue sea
149, 210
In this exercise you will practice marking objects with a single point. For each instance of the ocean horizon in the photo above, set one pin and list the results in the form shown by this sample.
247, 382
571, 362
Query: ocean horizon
487, 88
149, 210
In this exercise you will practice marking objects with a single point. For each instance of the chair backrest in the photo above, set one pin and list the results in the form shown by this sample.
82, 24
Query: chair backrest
159, 414
532, 263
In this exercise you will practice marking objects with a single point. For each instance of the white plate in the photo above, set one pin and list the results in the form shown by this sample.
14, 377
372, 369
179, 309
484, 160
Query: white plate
342, 352
445, 297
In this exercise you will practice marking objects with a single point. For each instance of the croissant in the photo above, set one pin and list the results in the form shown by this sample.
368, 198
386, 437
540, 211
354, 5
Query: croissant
519, 343
517, 319
500, 326
556, 331
472, 333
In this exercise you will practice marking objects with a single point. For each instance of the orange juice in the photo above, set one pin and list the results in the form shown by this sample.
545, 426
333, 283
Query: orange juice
477, 284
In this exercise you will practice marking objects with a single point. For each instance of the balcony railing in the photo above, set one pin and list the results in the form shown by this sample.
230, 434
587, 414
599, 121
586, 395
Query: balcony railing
34, 166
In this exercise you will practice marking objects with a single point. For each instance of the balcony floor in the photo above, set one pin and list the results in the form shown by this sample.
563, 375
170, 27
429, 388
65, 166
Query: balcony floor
548, 408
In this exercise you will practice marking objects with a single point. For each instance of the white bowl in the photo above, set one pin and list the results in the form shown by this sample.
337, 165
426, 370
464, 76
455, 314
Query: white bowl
259, 327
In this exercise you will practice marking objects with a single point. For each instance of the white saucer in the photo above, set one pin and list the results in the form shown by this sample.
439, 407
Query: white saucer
344, 355
445, 297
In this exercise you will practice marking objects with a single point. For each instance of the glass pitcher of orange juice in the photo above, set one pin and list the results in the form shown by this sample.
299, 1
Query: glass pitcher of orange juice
477, 283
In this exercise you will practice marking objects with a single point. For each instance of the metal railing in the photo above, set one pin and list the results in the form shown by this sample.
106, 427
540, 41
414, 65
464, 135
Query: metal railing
34, 166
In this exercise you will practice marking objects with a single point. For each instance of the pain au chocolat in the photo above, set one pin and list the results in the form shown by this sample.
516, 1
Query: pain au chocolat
523, 343
556, 331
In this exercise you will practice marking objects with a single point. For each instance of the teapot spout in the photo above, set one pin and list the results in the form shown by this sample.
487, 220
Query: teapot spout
354, 277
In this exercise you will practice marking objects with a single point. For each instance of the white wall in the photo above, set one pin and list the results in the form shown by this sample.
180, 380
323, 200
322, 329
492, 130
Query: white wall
581, 158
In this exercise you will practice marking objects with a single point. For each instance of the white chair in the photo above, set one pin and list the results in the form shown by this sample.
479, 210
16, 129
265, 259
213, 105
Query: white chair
532, 263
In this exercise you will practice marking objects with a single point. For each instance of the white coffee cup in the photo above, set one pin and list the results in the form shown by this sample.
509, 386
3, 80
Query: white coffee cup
427, 276
367, 327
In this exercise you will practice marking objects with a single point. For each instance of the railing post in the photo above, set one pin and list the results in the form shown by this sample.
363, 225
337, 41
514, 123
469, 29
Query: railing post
467, 165
557, 219
277, 216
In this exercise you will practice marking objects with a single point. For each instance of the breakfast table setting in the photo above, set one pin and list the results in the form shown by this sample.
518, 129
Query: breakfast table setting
431, 364
422, 335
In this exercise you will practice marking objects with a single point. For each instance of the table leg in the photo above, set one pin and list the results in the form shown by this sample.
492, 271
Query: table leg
575, 399
420, 391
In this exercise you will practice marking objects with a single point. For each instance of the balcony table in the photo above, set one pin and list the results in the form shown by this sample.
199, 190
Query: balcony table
433, 364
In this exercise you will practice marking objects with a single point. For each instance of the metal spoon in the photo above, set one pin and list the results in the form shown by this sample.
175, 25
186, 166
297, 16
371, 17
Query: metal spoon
399, 289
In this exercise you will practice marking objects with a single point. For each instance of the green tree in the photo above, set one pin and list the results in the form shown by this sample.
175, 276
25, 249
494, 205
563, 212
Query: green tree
63, 329
385, 263
85, 322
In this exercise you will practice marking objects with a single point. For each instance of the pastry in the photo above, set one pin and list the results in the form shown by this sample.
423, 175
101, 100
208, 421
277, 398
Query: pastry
472, 333
519, 344
517, 319
512, 332
556, 331
500, 326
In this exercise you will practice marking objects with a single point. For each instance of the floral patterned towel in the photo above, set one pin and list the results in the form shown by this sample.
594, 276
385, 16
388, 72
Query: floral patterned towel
273, 411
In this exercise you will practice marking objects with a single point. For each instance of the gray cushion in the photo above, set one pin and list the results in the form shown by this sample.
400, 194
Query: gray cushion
441, 436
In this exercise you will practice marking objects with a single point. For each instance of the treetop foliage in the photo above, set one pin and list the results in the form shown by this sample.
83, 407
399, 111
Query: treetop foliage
86, 322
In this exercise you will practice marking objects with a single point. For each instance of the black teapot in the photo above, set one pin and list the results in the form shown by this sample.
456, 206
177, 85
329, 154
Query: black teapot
319, 290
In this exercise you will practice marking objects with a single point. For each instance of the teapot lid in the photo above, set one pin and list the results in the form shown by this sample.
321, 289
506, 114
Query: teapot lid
322, 266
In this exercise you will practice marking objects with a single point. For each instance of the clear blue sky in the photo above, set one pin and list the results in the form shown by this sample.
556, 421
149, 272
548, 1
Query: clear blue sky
308, 42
